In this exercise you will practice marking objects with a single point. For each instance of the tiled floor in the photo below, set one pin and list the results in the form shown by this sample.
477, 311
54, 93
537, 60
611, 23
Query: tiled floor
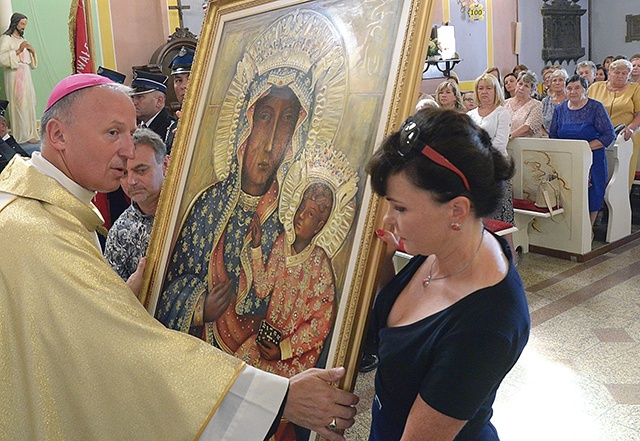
579, 376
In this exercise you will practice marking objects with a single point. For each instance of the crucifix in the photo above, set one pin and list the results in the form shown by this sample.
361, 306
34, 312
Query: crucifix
179, 7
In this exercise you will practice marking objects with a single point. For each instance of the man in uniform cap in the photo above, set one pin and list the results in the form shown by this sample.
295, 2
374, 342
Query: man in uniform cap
113, 75
149, 95
180, 70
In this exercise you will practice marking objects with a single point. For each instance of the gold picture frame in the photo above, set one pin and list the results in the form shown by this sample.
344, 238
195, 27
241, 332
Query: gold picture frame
352, 70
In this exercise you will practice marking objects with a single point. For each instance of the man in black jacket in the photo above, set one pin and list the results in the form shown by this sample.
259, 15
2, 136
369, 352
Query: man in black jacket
7, 139
149, 95
6, 153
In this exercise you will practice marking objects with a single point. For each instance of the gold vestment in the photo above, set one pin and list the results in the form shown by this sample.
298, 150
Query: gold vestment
80, 358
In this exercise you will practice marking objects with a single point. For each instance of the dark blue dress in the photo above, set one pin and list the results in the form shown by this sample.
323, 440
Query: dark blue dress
588, 123
455, 359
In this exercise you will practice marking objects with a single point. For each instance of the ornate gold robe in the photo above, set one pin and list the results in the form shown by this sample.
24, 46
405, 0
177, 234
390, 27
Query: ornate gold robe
80, 357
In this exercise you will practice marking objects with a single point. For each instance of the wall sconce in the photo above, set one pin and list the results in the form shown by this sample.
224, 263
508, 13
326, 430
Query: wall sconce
446, 57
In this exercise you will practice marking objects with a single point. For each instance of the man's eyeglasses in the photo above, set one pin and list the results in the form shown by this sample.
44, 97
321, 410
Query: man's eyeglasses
410, 142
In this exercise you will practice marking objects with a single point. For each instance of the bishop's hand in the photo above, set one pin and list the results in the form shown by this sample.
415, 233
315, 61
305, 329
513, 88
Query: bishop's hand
314, 403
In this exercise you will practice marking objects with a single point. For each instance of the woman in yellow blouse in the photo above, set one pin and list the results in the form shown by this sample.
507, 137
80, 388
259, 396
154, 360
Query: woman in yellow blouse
622, 101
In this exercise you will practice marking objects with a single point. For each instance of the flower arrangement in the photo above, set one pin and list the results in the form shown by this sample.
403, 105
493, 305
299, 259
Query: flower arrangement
434, 48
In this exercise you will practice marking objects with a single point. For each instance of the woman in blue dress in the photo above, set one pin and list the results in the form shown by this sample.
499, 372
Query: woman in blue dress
453, 322
581, 117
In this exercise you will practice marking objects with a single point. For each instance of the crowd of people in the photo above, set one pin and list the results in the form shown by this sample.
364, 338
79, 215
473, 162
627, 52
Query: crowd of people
604, 96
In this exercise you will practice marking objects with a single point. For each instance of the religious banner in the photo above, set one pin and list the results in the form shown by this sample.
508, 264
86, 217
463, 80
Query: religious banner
263, 243
79, 39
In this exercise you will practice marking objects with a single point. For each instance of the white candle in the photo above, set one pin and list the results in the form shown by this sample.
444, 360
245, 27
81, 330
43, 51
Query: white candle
447, 40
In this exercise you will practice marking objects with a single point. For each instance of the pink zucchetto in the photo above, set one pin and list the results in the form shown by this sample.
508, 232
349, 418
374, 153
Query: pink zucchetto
73, 83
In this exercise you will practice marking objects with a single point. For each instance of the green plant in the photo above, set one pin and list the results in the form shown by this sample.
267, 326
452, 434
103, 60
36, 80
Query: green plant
434, 48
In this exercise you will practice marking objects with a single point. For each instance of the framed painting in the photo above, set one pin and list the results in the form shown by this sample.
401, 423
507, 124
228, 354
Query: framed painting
263, 244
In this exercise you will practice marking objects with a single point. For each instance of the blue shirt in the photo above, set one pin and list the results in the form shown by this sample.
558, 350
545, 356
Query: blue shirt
454, 359
587, 123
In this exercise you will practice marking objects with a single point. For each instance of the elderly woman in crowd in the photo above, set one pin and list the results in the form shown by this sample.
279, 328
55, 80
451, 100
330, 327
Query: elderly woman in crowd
510, 82
546, 81
496, 121
526, 113
426, 102
448, 96
556, 95
453, 322
584, 118
587, 69
635, 68
622, 101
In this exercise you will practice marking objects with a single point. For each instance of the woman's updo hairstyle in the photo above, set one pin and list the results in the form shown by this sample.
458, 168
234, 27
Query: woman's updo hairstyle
456, 137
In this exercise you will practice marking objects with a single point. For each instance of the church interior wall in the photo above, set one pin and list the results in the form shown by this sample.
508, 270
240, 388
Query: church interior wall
139, 28
480, 49
505, 14
531, 19
193, 16
609, 28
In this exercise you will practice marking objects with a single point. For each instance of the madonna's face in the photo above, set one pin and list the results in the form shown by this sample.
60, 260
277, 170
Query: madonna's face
274, 120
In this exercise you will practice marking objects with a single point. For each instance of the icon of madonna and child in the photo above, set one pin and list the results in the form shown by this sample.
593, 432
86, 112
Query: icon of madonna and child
251, 270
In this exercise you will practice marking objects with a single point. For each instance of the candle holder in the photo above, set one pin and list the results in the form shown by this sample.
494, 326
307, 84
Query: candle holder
444, 66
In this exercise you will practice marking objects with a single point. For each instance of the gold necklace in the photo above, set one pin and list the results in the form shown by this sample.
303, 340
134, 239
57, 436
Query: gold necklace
430, 278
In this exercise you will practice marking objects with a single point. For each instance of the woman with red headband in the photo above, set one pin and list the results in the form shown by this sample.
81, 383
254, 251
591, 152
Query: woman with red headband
453, 322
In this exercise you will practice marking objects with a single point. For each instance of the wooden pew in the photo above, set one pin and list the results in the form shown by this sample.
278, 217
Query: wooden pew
534, 158
616, 195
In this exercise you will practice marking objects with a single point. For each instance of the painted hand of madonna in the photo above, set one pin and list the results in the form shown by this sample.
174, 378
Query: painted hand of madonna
269, 351
218, 300
256, 233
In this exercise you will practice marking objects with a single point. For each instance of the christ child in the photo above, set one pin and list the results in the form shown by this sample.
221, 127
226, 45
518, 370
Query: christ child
299, 280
